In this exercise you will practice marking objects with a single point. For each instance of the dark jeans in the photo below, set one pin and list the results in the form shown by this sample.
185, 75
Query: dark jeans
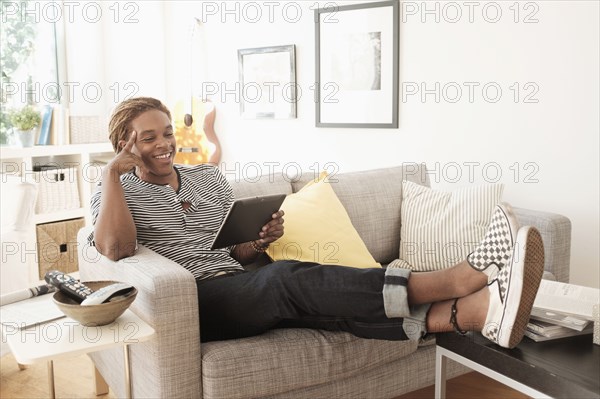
299, 294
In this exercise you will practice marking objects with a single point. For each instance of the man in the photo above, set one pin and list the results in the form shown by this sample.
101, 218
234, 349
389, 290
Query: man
176, 211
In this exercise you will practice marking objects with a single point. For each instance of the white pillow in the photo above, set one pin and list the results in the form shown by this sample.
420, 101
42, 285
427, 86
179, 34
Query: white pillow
439, 228
17, 203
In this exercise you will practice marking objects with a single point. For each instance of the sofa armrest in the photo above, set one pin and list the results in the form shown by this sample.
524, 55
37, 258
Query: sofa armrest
169, 365
556, 234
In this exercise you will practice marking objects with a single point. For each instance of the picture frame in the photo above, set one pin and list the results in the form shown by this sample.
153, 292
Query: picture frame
357, 61
268, 82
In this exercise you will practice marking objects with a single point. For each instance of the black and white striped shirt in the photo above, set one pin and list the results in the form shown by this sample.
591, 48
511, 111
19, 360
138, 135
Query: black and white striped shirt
182, 236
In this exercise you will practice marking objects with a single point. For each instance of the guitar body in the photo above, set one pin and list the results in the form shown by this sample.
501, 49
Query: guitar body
193, 122
193, 147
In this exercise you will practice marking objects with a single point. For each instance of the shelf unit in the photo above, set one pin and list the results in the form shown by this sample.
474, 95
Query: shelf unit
20, 161
87, 158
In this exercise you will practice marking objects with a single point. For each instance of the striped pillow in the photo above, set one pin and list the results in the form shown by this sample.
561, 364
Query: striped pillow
439, 229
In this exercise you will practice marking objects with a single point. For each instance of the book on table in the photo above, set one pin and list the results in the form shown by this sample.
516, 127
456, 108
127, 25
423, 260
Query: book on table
543, 331
562, 310
576, 323
28, 307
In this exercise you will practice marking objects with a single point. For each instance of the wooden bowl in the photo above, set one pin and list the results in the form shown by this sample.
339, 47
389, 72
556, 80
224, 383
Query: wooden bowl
94, 315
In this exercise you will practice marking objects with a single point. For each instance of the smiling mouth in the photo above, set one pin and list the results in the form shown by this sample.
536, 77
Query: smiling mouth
163, 156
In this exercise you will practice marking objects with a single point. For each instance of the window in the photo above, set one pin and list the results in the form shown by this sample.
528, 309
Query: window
28, 60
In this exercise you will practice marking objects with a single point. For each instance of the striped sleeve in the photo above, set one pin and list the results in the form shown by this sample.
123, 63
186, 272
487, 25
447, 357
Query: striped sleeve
95, 203
94, 210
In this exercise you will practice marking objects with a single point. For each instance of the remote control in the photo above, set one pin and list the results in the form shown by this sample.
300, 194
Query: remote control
105, 294
68, 285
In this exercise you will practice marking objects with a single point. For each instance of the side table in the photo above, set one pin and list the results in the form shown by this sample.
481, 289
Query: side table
562, 368
66, 337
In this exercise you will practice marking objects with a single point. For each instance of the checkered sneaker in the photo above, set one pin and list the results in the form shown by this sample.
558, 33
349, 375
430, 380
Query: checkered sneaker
499, 290
496, 247
503, 279
513, 291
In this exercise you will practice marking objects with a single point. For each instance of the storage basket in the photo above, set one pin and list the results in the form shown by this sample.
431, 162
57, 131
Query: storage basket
88, 129
57, 246
58, 190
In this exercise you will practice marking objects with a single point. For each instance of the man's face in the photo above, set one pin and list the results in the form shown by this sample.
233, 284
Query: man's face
155, 145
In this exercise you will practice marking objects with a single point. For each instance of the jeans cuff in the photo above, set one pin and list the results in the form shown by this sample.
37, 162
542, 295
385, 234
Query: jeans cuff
415, 326
395, 293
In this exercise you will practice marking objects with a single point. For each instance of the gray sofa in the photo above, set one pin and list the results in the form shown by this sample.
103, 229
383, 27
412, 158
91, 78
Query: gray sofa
291, 363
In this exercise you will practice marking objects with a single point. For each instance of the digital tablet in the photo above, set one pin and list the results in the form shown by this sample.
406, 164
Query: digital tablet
245, 219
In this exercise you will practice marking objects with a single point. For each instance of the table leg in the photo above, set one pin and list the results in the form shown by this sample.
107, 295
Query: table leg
442, 355
51, 379
127, 372
100, 383
440, 375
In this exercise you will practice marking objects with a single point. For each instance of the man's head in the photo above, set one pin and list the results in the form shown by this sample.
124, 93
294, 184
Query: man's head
120, 122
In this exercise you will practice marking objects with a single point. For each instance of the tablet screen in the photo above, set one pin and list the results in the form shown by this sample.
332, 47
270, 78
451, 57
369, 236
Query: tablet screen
245, 219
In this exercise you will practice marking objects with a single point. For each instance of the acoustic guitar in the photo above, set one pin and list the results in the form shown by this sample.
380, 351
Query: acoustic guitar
196, 142
194, 120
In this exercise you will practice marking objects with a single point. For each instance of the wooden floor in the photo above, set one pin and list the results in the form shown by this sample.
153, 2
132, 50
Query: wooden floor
469, 386
74, 380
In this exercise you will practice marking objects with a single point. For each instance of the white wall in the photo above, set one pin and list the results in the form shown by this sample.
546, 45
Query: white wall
552, 144
546, 152
114, 50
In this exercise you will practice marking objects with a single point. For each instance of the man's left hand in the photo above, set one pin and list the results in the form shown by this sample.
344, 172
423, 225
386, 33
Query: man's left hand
271, 231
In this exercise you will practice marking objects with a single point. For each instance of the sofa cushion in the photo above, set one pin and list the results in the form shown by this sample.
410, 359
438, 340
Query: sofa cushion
440, 228
373, 200
318, 229
282, 360
246, 186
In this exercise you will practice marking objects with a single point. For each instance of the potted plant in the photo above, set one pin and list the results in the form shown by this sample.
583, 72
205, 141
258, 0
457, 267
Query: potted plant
25, 120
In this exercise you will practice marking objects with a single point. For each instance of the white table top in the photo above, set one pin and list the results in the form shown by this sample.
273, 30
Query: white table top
66, 337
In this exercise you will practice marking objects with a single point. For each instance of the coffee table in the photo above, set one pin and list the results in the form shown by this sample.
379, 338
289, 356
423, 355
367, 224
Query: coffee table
562, 368
66, 337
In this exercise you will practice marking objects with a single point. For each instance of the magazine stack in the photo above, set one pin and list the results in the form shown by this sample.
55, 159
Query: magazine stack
562, 310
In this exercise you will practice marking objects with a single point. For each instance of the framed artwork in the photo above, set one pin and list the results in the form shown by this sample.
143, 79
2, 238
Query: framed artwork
268, 82
357, 65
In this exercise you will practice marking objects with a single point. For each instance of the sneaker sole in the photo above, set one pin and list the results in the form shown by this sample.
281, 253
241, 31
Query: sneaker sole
532, 275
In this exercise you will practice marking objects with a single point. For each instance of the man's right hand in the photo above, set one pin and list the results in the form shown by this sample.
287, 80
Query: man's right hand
115, 232
125, 161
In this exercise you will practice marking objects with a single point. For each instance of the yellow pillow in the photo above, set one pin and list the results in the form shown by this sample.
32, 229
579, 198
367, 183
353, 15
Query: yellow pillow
318, 229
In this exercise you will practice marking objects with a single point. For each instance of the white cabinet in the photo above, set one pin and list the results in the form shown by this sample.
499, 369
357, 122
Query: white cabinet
87, 159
